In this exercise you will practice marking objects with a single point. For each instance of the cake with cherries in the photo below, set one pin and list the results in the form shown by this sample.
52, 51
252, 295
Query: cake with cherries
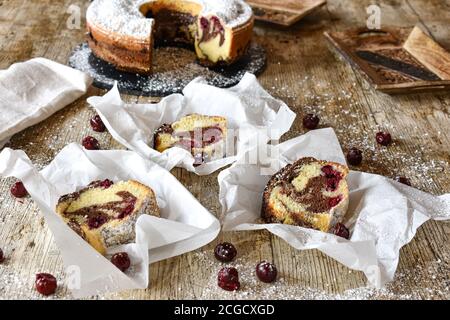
104, 213
123, 32
203, 136
309, 193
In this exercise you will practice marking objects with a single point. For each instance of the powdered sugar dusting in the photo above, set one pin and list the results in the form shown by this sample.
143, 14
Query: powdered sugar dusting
121, 17
124, 17
431, 278
233, 12
418, 162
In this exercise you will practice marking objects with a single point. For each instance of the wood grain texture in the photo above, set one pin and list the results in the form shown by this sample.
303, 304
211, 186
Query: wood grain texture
417, 62
309, 77
429, 53
283, 12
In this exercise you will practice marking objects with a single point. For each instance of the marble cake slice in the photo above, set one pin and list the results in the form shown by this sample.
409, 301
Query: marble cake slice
104, 213
309, 193
204, 136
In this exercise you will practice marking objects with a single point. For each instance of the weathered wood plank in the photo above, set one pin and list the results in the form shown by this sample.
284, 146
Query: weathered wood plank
310, 78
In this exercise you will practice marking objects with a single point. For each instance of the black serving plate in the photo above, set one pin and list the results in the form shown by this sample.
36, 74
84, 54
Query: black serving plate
173, 69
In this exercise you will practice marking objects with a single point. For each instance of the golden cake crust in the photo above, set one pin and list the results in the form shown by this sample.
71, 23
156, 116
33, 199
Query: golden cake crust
125, 53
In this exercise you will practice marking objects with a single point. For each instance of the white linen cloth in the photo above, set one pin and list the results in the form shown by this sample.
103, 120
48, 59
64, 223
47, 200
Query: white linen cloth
33, 90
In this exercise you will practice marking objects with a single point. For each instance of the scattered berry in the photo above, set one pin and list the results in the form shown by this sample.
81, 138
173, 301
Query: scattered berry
225, 252
403, 180
310, 121
97, 124
333, 202
354, 156
45, 284
18, 190
266, 271
121, 261
228, 279
90, 143
384, 138
341, 230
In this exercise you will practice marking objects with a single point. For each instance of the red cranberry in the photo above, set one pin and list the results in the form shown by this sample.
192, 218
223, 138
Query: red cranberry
101, 184
18, 190
228, 279
45, 284
266, 271
106, 183
384, 138
2, 257
332, 184
217, 24
225, 252
328, 170
96, 221
121, 261
333, 177
127, 210
97, 124
204, 22
333, 202
91, 143
310, 121
354, 156
341, 230
211, 135
403, 180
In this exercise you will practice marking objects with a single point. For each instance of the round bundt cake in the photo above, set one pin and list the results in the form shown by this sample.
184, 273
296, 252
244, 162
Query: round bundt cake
123, 32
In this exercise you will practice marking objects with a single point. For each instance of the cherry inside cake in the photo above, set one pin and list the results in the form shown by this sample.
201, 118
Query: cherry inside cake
104, 213
203, 136
309, 193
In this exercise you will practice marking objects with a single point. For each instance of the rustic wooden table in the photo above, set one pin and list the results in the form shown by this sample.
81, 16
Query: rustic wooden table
304, 73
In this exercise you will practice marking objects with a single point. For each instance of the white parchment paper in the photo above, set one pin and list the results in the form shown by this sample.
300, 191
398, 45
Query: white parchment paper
184, 224
252, 114
33, 90
383, 215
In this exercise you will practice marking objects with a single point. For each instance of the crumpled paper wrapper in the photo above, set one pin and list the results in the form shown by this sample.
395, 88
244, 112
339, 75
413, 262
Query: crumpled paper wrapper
252, 113
383, 215
185, 224
33, 90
